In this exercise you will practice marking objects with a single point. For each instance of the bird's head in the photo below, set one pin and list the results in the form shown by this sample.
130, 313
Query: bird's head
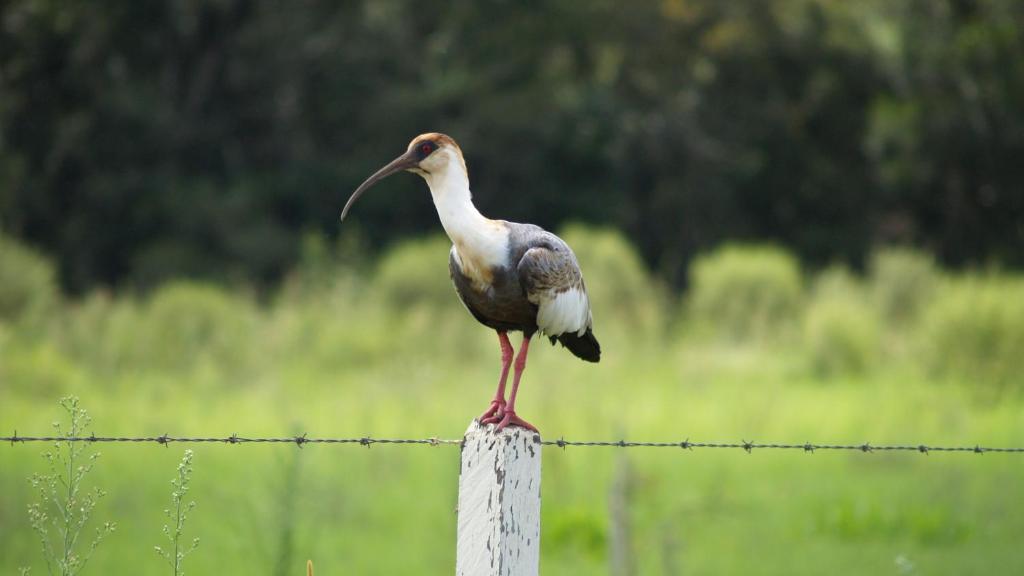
428, 155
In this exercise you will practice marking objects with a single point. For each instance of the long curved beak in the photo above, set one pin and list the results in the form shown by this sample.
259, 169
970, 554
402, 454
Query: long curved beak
403, 162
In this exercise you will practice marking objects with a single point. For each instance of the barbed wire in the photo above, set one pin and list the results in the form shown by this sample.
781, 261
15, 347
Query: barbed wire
368, 441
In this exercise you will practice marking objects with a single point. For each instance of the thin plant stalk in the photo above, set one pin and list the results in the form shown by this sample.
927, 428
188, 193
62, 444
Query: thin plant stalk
64, 506
176, 557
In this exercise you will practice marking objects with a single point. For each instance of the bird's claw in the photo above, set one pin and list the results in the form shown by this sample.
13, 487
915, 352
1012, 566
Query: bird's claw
496, 410
508, 418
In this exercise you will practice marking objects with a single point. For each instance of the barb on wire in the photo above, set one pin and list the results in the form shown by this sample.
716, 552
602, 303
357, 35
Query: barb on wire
232, 439
367, 441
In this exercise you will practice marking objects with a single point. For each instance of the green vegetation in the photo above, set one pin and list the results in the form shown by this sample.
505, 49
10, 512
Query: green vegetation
903, 282
746, 293
348, 350
146, 141
28, 287
976, 332
177, 169
65, 504
407, 277
841, 332
175, 557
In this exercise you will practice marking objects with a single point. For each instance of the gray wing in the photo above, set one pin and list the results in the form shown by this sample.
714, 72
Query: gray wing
552, 279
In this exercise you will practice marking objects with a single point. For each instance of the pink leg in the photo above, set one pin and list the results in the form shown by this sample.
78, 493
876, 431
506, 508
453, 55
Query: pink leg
509, 418
498, 404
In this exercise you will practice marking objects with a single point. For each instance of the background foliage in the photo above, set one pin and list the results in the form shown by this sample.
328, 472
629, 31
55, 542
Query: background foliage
344, 348
733, 177
146, 140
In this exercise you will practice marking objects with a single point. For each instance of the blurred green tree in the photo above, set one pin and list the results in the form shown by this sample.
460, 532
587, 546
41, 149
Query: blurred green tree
141, 141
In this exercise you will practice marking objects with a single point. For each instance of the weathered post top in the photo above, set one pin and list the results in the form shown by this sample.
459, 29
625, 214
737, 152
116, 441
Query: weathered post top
499, 503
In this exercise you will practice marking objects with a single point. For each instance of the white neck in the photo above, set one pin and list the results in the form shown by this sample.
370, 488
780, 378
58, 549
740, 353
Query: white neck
450, 188
476, 238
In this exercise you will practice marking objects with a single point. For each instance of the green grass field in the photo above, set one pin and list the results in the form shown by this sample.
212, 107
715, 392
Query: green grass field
348, 354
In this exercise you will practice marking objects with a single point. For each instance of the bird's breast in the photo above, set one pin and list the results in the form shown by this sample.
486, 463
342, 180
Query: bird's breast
498, 302
475, 266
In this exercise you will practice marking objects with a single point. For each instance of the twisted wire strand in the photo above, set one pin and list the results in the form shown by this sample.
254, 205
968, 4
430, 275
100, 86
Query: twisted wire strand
368, 441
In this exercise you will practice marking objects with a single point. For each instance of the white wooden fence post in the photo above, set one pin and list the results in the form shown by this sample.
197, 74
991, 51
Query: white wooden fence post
499, 503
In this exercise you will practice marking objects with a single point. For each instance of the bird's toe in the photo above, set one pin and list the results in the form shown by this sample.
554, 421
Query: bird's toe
494, 412
511, 419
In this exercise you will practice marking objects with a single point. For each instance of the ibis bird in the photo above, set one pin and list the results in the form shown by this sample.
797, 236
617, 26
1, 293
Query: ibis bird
511, 277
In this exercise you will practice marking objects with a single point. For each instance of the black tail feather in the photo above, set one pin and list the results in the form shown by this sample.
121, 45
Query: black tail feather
585, 347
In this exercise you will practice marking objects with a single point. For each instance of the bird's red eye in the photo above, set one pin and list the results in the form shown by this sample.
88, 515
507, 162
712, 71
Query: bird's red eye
425, 148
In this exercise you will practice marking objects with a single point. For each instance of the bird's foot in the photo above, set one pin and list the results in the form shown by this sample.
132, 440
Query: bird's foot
496, 410
508, 418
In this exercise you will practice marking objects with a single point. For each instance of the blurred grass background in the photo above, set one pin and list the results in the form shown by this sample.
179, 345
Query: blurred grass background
802, 220
757, 348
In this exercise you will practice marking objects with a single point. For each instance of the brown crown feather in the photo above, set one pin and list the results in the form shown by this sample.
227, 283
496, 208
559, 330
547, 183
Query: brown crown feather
438, 138
441, 140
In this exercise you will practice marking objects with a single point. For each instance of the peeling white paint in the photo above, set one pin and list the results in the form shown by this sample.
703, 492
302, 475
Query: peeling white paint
499, 503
